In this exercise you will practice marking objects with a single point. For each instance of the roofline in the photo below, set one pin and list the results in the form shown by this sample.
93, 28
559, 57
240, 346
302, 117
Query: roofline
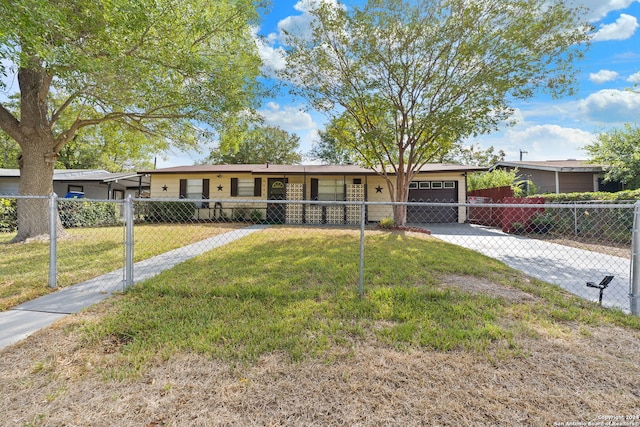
549, 168
261, 169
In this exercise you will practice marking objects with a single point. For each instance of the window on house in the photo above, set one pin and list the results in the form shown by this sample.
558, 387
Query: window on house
330, 189
449, 184
425, 185
195, 189
413, 185
246, 187
436, 185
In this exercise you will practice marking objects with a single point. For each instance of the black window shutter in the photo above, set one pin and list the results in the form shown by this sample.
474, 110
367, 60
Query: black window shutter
234, 187
314, 189
205, 192
183, 189
257, 187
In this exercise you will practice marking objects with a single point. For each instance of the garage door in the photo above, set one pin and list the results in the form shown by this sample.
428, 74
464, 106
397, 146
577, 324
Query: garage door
428, 192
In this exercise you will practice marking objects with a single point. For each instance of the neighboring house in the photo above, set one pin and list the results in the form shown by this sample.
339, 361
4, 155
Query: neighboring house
435, 182
90, 183
562, 176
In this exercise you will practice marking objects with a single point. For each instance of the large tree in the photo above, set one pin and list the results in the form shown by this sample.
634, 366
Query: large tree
619, 150
402, 81
330, 151
260, 145
156, 66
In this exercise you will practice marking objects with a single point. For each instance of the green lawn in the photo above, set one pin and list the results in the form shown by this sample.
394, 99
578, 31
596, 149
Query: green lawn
294, 291
85, 253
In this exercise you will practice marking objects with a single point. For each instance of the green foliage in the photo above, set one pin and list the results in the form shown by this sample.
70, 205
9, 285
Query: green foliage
8, 215
87, 214
501, 178
413, 78
329, 150
584, 220
169, 212
386, 223
154, 67
117, 147
260, 145
619, 150
619, 196
473, 155
9, 151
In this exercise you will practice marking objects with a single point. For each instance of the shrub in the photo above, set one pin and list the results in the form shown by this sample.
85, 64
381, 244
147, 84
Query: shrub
87, 214
8, 215
170, 211
386, 223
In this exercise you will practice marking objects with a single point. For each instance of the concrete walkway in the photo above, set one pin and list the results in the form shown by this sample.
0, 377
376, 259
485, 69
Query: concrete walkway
25, 319
565, 266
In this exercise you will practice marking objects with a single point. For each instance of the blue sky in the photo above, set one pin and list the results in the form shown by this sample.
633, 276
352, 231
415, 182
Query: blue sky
546, 129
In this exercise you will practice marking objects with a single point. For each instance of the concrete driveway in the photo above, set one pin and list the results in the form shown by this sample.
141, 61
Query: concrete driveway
567, 267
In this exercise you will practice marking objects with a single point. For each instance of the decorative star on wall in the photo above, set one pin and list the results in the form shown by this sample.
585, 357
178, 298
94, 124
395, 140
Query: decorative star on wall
378, 189
219, 187
165, 188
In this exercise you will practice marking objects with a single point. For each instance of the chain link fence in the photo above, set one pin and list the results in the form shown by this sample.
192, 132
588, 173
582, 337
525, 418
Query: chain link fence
126, 241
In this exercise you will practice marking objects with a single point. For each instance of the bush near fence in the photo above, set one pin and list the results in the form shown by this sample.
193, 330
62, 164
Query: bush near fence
600, 196
165, 212
87, 214
8, 215
585, 220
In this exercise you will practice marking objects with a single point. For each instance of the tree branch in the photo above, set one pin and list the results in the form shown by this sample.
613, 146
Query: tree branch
10, 124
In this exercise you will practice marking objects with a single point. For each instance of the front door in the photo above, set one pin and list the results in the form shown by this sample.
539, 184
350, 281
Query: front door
276, 190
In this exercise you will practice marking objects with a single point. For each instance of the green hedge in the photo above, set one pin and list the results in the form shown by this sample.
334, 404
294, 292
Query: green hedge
87, 214
584, 220
624, 195
8, 215
167, 211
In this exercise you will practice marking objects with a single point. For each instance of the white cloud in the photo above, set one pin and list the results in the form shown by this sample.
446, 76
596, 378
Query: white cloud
300, 25
634, 78
610, 106
539, 142
598, 9
289, 118
624, 27
273, 58
603, 76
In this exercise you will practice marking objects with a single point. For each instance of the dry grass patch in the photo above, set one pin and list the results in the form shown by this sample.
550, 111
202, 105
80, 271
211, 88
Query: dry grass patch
51, 379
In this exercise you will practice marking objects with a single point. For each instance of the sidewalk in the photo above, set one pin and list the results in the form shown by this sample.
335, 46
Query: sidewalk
25, 319
565, 266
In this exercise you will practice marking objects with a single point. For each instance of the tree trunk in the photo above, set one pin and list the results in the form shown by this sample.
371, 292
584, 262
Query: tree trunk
37, 160
36, 179
400, 195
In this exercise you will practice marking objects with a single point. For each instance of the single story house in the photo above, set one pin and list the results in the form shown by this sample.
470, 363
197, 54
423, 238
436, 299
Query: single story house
323, 183
89, 183
562, 176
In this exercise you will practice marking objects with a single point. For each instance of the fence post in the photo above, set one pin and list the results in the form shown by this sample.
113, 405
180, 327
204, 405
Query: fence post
128, 242
634, 286
53, 241
361, 269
